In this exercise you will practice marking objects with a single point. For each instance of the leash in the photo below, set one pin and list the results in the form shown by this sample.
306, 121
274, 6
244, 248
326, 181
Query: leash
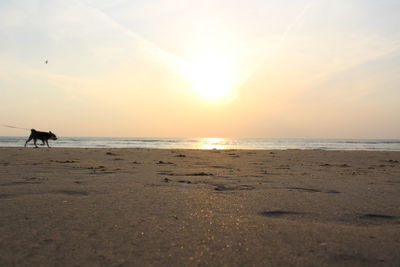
14, 127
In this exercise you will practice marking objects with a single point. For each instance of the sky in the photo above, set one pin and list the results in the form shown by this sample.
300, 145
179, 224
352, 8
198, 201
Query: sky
211, 68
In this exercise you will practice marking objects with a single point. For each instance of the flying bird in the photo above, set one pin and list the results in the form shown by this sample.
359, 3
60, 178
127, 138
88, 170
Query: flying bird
46, 61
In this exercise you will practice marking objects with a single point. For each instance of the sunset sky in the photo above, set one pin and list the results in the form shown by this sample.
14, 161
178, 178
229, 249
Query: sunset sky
211, 68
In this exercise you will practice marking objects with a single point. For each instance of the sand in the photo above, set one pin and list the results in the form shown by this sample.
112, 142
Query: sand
140, 207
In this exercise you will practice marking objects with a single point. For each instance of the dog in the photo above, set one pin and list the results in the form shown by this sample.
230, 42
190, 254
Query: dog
41, 136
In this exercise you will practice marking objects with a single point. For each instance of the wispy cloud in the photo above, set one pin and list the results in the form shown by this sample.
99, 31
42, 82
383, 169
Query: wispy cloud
134, 35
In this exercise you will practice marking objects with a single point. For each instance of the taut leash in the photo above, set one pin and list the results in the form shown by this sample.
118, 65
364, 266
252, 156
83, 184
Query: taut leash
14, 127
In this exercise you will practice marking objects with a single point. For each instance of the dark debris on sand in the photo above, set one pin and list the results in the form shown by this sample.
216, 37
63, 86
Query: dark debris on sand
184, 181
279, 213
200, 174
164, 162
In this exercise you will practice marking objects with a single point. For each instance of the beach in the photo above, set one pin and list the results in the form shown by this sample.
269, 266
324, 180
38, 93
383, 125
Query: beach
170, 207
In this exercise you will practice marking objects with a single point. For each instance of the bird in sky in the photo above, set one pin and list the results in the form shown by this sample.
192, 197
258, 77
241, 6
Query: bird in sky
46, 61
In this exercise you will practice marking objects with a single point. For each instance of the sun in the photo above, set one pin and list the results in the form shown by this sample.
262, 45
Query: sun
212, 75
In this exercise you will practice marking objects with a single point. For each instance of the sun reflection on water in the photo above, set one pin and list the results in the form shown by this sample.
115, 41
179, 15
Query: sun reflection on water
212, 143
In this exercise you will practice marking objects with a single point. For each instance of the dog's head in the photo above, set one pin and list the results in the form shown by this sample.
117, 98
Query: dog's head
52, 136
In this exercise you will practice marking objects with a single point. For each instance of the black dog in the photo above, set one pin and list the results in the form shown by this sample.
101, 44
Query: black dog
41, 136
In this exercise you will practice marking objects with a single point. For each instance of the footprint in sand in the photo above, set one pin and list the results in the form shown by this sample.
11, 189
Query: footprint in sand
232, 188
325, 165
200, 174
98, 167
63, 161
332, 192
72, 192
279, 213
377, 217
160, 162
19, 183
184, 182
3, 196
312, 190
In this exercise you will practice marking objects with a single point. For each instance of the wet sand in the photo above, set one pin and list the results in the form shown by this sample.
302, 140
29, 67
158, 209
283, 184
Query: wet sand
139, 207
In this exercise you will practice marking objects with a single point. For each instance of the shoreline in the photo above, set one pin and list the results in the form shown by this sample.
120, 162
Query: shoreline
200, 149
140, 206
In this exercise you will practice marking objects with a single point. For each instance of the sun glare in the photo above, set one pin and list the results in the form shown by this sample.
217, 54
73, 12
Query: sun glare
212, 143
212, 76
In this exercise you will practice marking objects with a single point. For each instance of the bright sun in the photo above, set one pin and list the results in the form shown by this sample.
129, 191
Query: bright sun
212, 76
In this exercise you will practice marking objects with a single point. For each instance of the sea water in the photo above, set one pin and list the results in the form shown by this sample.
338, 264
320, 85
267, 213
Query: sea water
212, 143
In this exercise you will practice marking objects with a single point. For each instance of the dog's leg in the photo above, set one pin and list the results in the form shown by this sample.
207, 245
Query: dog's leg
34, 142
47, 142
29, 139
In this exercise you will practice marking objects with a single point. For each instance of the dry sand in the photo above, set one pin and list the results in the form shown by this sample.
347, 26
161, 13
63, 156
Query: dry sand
138, 207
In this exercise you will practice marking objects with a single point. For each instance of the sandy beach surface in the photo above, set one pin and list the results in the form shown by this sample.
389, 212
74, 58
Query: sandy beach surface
138, 207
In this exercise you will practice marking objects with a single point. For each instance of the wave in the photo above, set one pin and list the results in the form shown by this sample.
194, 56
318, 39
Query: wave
371, 142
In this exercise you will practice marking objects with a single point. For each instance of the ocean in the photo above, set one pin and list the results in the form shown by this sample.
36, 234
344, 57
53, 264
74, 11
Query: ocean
212, 143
